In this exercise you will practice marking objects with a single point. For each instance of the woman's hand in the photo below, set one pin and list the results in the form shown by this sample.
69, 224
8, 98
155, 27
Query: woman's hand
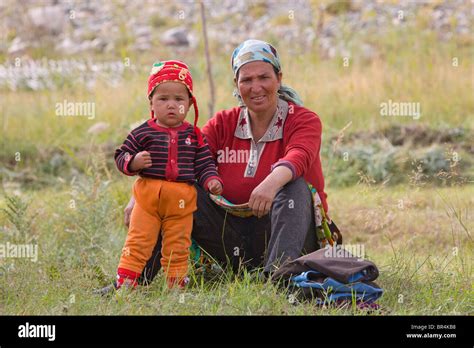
215, 187
262, 197
128, 211
140, 161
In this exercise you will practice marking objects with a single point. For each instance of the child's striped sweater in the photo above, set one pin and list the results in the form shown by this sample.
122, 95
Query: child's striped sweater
175, 154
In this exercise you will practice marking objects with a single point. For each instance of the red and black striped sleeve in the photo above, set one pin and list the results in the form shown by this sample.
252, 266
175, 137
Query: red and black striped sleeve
126, 153
204, 166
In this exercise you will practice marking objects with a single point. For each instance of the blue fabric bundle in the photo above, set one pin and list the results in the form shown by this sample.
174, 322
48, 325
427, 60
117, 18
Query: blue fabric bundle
331, 290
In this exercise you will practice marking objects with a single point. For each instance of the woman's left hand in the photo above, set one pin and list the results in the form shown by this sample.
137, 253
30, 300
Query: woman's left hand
262, 198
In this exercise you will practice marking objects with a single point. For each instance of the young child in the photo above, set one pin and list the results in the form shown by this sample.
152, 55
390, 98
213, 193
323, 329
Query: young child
168, 154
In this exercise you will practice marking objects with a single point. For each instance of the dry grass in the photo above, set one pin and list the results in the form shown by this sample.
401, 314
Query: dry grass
409, 217
420, 237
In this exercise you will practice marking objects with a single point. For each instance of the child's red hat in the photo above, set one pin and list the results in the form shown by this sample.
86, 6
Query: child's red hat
174, 70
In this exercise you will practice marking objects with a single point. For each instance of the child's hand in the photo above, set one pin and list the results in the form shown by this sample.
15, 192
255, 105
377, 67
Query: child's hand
140, 161
215, 187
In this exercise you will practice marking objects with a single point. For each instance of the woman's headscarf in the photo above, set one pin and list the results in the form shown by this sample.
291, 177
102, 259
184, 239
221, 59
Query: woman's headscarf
257, 50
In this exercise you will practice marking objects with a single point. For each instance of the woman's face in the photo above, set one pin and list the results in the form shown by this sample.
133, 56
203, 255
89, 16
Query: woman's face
258, 85
170, 102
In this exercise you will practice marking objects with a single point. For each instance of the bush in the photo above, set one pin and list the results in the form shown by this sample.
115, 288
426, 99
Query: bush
400, 154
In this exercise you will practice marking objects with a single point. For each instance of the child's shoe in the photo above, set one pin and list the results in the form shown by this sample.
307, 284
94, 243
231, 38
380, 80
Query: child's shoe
127, 278
177, 282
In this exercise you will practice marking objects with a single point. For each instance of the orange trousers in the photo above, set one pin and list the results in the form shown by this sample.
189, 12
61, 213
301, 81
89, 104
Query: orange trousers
164, 207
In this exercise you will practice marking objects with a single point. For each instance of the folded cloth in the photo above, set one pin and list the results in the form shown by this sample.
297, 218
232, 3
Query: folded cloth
330, 290
331, 276
329, 262
240, 210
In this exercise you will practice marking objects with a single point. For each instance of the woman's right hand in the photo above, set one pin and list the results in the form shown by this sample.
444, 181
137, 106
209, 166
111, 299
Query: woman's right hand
128, 211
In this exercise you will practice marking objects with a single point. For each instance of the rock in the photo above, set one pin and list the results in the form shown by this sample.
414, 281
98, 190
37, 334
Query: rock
48, 18
142, 44
85, 46
330, 29
97, 128
331, 53
34, 84
143, 31
178, 36
437, 14
110, 47
98, 44
67, 46
99, 26
17, 46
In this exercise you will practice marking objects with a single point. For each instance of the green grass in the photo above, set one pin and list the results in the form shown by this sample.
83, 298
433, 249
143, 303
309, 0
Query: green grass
422, 247
415, 227
410, 67
405, 71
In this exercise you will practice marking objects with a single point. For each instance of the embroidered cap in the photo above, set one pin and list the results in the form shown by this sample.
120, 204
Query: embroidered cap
174, 71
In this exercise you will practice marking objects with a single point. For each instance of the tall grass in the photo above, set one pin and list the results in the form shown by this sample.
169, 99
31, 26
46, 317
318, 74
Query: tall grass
402, 71
422, 252
71, 199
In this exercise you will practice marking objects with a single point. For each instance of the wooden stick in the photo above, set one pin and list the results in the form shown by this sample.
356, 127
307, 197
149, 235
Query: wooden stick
208, 62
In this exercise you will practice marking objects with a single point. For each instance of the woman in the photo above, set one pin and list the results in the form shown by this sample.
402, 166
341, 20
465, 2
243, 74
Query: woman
267, 151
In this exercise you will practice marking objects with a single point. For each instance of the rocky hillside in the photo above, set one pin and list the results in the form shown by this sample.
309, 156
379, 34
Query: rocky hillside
71, 27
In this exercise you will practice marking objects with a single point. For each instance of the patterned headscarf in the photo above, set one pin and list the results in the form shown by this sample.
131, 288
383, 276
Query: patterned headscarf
257, 50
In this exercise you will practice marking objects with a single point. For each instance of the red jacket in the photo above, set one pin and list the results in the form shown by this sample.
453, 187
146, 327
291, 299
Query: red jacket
298, 148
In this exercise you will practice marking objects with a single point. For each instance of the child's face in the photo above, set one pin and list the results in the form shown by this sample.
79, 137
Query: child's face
170, 103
